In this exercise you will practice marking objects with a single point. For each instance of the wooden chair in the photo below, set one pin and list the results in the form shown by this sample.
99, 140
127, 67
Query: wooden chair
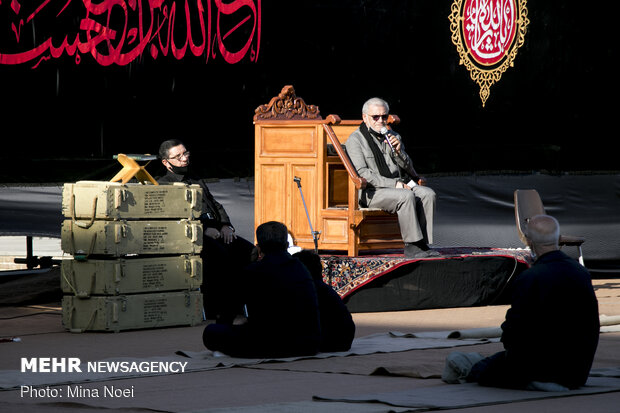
293, 143
369, 228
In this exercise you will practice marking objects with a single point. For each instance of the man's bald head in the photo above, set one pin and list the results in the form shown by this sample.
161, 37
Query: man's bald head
543, 231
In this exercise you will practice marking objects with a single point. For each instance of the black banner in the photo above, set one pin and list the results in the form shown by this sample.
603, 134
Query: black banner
84, 81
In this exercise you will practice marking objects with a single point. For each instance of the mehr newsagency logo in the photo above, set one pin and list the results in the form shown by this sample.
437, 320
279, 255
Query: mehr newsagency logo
487, 35
73, 372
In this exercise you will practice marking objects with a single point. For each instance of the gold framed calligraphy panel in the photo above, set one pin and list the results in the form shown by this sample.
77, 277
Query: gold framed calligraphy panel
487, 35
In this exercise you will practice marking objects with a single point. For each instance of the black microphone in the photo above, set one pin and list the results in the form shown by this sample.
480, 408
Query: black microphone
386, 132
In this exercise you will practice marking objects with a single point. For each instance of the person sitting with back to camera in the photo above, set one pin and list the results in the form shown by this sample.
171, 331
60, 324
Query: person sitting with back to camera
550, 300
281, 302
337, 326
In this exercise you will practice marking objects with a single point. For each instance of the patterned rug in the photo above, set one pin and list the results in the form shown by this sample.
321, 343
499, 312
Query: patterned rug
347, 274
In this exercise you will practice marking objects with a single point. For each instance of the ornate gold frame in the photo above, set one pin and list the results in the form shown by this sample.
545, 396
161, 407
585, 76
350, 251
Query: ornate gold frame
486, 77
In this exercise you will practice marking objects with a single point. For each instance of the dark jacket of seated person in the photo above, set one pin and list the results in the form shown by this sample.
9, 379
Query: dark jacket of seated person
282, 309
551, 330
552, 301
337, 326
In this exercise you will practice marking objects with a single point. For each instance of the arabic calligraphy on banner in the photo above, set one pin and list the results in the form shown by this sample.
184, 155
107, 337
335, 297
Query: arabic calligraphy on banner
487, 35
121, 31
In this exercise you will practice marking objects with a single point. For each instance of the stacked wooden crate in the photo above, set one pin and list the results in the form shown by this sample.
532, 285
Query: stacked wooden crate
135, 251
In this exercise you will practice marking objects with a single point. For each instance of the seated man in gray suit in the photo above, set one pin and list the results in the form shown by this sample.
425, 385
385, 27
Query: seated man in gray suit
379, 156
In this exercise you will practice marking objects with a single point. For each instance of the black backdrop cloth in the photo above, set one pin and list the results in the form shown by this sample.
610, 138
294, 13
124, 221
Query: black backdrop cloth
472, 210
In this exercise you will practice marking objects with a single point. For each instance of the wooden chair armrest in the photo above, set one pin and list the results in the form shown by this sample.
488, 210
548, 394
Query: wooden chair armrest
360, 183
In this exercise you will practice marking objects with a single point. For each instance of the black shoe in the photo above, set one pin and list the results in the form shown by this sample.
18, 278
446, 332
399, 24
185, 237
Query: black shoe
414, 251
427, 254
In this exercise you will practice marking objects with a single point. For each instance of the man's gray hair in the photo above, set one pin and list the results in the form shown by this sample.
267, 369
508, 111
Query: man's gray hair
375, 102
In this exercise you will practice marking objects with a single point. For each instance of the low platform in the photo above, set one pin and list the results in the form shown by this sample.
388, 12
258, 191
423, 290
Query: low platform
460, 277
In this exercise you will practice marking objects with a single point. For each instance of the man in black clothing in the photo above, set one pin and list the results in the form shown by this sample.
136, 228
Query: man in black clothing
224, 253
337, 326
551, 301
281, 302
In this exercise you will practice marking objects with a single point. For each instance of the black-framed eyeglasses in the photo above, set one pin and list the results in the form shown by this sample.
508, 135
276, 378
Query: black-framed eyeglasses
181, 155
377, 117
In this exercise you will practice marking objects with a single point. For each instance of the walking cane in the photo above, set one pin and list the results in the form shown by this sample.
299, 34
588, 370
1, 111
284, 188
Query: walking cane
315, 234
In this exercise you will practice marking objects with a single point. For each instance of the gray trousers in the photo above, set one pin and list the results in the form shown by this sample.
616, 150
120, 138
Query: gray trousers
415, 209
